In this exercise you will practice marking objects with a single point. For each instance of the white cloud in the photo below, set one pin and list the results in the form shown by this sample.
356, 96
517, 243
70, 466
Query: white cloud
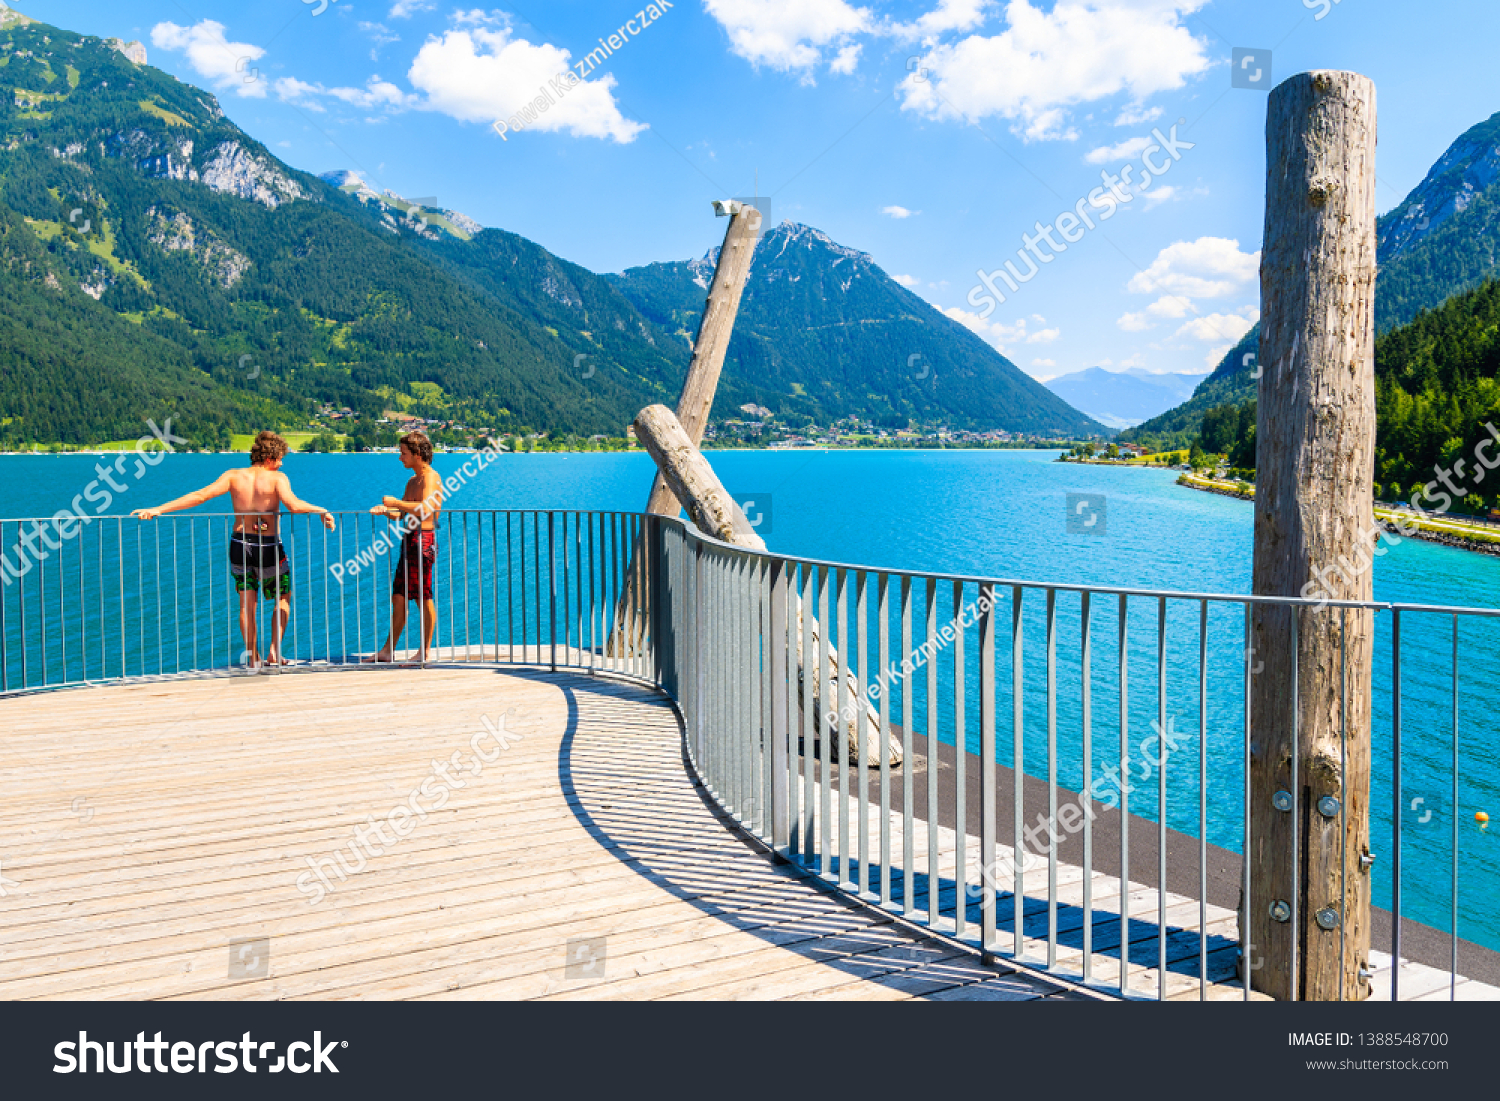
790, 35
298, 92
223, 63
1135, 114
949, 15
1210, 267
1158, 195
382, 36
998, 333
898, 211
1220, 326
1045, 62
482, 74
847, 59
376, 93
405, 9
906, 280
1125, 151
1134, 322
1216, 355
1169, 306
1044, 363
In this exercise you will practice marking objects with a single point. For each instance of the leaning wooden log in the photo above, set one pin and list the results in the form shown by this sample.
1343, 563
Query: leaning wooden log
714, 512
1309, 904
714, 330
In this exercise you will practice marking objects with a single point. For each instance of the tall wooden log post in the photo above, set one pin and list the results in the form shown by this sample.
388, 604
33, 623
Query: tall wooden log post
1309, 903
714, 330
713, 511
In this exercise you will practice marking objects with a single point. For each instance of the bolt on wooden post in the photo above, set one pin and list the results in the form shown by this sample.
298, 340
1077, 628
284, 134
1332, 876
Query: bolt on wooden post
1309, 904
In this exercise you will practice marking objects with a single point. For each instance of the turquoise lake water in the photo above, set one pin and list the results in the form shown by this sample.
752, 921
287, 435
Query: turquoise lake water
999, 514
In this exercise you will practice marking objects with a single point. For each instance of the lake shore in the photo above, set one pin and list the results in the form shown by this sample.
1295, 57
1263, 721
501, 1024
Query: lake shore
1449, 533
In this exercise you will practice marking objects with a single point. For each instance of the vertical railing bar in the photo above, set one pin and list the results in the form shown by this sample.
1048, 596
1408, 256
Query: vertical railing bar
743, 687
1453, 970
578, 521
551, 591
735, 626
1086, 751
841, 611
621, 646
934, 878
1203, 800
960, 780
39, 528
987, 773
1124, 675
1296, 877
510, 593
908, 795
1247, 964
723, 680
767, 697
755, 598
525, 612
1161, 799
468, 656
596, 657
536, 560
1051, 778
862, 630
4, 634
1343, 790
781, 582
1019, 855
883, 636
828, 728
120, 538
807, 759
155, 584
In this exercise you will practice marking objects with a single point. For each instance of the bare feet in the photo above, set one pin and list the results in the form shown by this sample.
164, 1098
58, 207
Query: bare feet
382, 656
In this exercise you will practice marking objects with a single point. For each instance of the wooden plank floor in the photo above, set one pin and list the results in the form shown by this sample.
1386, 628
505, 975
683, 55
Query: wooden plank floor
152, 837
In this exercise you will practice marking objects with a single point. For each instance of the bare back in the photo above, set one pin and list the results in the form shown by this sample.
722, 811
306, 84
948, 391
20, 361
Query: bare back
256, 489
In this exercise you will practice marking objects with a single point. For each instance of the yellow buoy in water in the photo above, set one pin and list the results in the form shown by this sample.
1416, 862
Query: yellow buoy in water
1482, 818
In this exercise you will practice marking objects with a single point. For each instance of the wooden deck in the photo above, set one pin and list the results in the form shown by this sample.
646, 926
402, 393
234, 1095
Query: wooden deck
152, 837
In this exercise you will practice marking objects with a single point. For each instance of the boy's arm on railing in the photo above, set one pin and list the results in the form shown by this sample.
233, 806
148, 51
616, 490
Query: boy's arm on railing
218, 488
294, 503
428, 506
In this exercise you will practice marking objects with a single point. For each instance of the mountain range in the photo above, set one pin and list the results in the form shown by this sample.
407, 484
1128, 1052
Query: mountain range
1123, 398
823, 333
156, 260
1441, 241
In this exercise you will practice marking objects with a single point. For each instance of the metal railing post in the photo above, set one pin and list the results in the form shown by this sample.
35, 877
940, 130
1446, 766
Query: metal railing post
781, 825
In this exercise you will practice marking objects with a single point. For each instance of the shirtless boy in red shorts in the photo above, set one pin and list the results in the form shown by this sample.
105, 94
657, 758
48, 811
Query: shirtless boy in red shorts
418, 510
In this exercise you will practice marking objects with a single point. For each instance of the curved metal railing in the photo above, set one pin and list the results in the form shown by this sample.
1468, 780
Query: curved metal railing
1093, 798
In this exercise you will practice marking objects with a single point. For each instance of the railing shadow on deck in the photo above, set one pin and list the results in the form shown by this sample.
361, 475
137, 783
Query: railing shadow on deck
750, 893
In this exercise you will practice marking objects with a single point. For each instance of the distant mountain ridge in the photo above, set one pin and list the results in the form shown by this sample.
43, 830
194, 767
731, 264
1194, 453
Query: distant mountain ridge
1123, 398
824, 333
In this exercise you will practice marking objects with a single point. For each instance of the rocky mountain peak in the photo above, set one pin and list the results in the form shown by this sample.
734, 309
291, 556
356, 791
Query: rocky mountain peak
1470, 165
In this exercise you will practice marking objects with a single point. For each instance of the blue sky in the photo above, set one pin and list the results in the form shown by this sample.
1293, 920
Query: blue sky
932, 134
